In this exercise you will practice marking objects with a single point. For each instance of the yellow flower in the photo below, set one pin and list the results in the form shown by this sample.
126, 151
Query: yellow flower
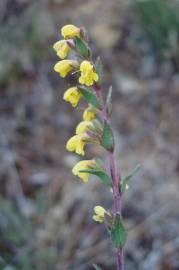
77, 143
70, 31
83, 127
62, 48
99, 213
88, 75
83, 165
72, 95
88, 115
65, 66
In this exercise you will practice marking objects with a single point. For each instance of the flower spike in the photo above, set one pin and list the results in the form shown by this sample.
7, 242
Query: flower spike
95, 127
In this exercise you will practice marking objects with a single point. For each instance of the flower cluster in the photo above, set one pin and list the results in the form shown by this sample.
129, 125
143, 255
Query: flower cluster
90, 129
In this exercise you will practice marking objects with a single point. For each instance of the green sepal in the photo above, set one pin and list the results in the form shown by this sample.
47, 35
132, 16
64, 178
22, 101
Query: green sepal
99, 69
96, 267
81, 47
108, 101
107, 138
99, 162
97, 125
100, 173
126, 179
118, 233
89, 96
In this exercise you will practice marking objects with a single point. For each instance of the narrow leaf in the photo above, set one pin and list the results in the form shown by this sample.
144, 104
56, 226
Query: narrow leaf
100, 173
96, 267
108, 101
81, 47
118, 233
126, 179
89, 96
107, 139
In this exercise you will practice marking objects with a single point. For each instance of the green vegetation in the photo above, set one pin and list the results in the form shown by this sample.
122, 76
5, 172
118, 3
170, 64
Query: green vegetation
161, 21
23, 42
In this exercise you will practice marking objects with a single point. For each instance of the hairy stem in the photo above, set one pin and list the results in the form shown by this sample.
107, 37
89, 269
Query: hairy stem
115, 177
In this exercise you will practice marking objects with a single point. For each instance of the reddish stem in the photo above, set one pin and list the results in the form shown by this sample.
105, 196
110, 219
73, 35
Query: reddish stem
116, 178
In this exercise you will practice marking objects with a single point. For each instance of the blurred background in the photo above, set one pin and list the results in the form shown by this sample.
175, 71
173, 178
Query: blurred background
45, 212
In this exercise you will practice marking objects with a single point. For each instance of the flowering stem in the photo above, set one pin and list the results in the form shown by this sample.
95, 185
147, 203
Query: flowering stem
76, 39
115, 176
115, 183
120, 259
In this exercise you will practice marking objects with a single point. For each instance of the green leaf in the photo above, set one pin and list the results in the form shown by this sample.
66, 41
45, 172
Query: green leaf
96, 267
81, 47
89, 96
108, 101
99, 69
125, 180
101, 174
107, 139
118, 233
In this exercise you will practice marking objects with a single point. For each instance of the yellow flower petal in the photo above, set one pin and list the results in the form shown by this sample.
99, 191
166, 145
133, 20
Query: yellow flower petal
88, 75
88, 115
83, 165
70, 31
80, 148
97, 218
62, 48
72, 95
100, 212
65, 66
83, 127
77, 143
